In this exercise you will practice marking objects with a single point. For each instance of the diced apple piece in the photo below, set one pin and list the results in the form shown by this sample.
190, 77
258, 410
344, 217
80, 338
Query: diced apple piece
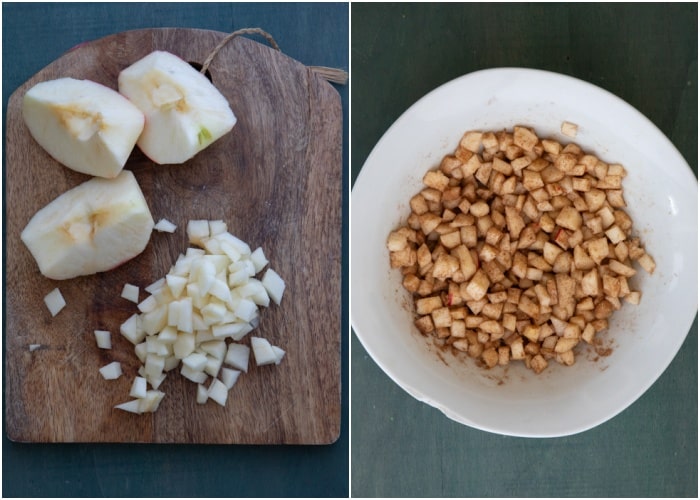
633, 298
590, 283
131, 329
148, 304
524, 138
213, 366
130, 293
274, 285
195, 361
569, 218
141, 351
263, 352
155, 346
230, 251
154, 321
246, 310
259, 260
217, 227
168, 335
156, 285
154, 365
157, 380
240, 275
220, 290
204, 271
215, 348
218, 391
238, 244
182, 266
202, 394
229, 377
165, 226
198, 377
90, 228
54, 301
150, 403
212, 246
197, 321
184, 345
647, 263
173, 313
111, 371
103, 339
213, 313
237, 356
197, 231
203, 336
279, 354
138, 388
598, 249
606, 216
176, 284
252, 287
615, 234
478, 286
582, 260
244, 265
86, 126
232, 330
255, 291
192, 252
133, 406
621, 269
569, 129
184, 318
171, 362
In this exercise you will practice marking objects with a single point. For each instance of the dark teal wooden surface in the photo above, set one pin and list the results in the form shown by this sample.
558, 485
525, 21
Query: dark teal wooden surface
33, 35
645, 54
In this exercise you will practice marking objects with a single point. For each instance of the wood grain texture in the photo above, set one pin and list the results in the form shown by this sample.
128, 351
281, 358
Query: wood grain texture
275, 179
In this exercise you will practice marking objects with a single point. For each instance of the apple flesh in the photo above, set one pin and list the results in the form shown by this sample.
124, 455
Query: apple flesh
94, 227
185, 112
85, 126
54, 301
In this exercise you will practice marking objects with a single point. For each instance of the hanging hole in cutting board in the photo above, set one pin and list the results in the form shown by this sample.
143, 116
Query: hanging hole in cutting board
198, 67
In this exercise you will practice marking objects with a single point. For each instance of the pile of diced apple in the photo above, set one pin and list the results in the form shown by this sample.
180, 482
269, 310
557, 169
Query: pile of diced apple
196, 316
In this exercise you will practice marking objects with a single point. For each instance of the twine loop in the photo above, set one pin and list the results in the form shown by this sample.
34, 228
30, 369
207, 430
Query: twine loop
333, 75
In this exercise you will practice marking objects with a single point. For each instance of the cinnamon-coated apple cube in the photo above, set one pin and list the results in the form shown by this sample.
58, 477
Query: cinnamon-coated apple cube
647, 262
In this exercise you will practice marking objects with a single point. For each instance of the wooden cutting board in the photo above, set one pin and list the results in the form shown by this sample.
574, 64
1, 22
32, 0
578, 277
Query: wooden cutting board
276, 181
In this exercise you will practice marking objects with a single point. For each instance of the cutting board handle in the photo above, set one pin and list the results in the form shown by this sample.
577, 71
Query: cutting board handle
333, 75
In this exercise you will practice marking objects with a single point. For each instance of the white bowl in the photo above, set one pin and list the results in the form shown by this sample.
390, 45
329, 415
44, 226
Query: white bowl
661, 193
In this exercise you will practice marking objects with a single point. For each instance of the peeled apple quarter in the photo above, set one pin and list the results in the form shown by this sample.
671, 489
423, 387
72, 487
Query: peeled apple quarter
85, 126
94, 227
185, 112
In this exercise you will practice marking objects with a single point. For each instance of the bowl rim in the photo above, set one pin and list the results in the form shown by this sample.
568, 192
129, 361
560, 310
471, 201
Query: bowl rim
678, 160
